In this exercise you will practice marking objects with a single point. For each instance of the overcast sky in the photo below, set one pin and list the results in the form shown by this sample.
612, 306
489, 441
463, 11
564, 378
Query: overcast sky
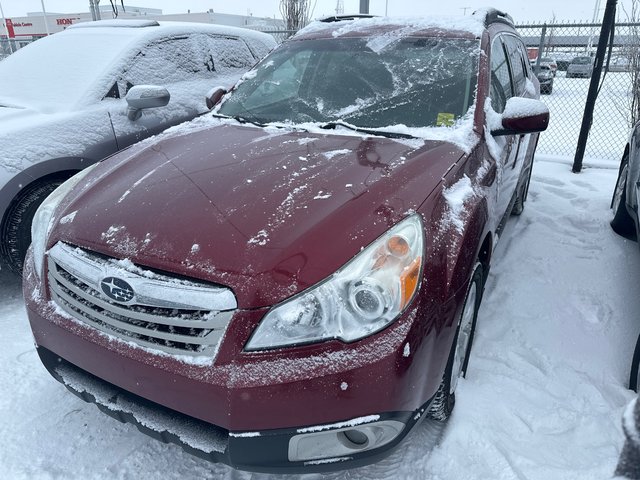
522, 11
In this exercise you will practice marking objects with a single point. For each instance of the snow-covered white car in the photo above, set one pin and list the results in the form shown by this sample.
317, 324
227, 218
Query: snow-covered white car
73, 98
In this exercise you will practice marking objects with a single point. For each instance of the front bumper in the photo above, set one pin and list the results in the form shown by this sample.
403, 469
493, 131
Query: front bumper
267, 451
246, 410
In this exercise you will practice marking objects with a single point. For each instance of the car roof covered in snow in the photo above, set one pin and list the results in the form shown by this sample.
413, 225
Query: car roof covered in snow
152, 28
442, 26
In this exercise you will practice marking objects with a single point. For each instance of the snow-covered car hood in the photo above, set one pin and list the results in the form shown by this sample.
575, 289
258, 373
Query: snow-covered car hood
9, 115
267, 213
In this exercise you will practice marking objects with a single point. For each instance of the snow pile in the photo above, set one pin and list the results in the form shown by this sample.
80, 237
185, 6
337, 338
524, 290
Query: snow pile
348, 423
332, 153
456, 195
518, 107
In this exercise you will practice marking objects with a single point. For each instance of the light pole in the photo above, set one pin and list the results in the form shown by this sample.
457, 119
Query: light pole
6, 29
596, 11
44, 15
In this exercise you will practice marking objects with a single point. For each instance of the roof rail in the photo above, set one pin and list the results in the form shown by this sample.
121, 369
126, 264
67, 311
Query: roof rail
122, 23
492, 15
340, 18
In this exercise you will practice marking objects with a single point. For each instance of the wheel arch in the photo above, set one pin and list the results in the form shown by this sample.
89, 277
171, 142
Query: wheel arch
484, 255
57, 168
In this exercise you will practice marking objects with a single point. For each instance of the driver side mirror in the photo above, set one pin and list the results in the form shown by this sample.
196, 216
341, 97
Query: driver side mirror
522, 116
214, 96
145, 96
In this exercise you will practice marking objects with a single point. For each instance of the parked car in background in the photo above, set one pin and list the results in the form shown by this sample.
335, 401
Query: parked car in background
75, 97
297, 275
619, 64
545, 76
580, 67
563, 59
551, 63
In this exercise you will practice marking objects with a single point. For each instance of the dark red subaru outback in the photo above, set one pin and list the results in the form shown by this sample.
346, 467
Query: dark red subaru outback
291, 282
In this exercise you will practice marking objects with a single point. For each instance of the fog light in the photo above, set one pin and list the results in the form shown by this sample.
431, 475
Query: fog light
355, 438
327, 442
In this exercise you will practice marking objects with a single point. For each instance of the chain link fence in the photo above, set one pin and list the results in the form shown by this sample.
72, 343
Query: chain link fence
572, 48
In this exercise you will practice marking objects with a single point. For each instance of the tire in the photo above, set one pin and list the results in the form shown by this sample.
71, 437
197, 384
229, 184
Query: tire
622, 223
15, 235
635, 367
445, 398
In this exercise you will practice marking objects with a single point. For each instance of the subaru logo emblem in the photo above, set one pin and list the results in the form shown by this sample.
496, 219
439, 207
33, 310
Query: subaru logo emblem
117, 289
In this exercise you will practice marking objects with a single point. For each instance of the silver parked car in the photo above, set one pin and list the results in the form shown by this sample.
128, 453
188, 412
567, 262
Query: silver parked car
580, 67
545, 76
77, 96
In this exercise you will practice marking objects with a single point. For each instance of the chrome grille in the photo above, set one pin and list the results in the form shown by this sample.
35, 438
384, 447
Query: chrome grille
168, 314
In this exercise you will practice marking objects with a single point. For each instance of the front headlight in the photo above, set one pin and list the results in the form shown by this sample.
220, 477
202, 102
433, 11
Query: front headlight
41, 225
361, 298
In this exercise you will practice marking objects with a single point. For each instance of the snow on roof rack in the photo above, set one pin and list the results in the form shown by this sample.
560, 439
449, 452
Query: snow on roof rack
492, 15
116, 23
340, 18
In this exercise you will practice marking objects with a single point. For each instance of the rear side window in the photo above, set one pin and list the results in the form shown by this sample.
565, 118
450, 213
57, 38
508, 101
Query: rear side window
168, 61
501, 89
227, 55
185, 58
516, 59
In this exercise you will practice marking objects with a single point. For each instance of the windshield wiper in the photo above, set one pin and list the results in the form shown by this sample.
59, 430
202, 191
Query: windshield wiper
241, 119
10, 105
332, 126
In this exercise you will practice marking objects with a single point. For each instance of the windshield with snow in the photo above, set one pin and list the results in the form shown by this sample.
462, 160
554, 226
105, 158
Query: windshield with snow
416, 82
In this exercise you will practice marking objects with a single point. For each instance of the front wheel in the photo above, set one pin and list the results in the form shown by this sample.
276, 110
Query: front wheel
622, 223
15, 235
445, 397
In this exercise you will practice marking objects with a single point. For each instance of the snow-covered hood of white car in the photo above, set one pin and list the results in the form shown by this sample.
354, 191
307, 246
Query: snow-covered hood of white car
9, 115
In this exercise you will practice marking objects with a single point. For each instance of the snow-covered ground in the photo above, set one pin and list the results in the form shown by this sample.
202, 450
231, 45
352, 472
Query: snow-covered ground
543, 398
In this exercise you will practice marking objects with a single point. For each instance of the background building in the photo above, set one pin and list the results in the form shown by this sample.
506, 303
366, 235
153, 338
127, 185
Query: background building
20, 31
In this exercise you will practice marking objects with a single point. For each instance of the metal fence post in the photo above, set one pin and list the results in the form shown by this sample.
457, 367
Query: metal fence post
543, 34
608, 22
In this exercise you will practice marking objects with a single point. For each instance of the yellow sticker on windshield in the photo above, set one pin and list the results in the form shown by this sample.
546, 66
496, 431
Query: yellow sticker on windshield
445, 119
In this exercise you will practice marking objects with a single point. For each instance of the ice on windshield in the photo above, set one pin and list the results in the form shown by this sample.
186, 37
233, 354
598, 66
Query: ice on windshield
416, 82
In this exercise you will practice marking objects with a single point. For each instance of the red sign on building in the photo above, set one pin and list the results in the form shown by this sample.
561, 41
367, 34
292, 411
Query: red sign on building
10, 31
